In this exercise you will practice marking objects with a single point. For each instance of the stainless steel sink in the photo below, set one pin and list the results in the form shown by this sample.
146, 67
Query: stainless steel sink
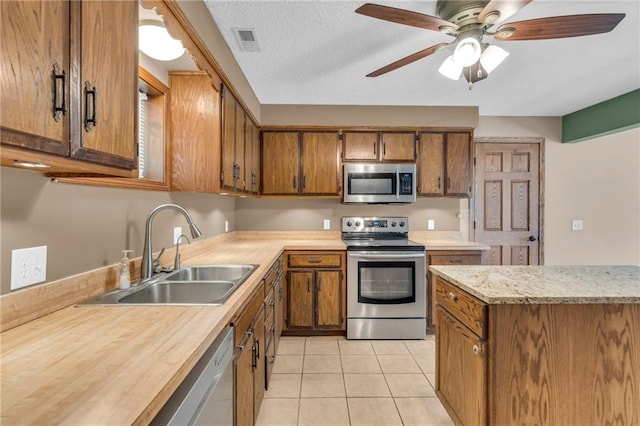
211, 273
192, 285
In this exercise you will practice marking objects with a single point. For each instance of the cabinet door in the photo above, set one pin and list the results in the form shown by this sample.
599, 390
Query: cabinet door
228, 165
240, 181
279, 163
328, 299
398, 146
461, 370
300, 299
105, 130
360, 146
244, 383
252, 156
319, 160
430, 163
458, 164
34, 42
259, 365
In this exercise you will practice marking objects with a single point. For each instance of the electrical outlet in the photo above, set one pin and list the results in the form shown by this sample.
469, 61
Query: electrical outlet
28, 266
226, 226
327, 224
177, 231
431, 224
576, 225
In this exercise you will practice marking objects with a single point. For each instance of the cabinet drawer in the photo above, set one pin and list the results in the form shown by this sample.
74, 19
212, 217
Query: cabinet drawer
466, 308
454, 259
315, 260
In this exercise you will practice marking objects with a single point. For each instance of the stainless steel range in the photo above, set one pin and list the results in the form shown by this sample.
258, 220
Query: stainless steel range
386, 279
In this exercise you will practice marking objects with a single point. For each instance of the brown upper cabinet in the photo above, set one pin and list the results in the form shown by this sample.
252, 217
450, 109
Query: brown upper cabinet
195, 133
444, 164
69, 73
379, 146
238, 147
305, 162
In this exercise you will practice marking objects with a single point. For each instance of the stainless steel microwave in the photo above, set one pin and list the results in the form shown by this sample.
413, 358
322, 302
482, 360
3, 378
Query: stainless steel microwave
379, 183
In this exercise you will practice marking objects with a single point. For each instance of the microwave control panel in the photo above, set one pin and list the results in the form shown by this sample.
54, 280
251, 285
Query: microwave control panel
405, 184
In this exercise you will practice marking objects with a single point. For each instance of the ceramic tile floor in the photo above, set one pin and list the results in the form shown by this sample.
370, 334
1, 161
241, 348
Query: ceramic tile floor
333, 381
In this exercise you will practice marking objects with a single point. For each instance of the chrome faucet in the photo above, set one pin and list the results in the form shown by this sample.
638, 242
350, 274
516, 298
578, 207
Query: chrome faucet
146, 271
176, 261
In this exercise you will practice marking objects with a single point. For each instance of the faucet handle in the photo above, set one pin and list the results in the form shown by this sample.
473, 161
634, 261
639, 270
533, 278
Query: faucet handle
176, 261
156, 262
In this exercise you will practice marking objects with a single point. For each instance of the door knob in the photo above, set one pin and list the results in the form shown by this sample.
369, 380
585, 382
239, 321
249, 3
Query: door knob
532, 238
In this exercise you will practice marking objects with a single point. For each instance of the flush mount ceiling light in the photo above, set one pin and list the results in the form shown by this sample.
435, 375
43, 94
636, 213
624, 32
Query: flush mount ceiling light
154, 41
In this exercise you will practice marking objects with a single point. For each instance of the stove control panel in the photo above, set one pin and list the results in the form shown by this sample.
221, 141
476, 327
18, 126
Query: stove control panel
382, 225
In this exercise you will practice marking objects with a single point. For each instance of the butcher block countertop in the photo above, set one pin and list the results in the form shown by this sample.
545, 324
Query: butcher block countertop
546, 284
96, 364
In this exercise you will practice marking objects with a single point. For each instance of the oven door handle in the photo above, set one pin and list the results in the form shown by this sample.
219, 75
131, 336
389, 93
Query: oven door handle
379, 255
397, 184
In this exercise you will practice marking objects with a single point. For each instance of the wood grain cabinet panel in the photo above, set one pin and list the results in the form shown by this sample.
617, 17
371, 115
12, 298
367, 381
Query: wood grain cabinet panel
316, 292
195, 133
542, 363
444, 164
398, 146
300, 163
63, 64
360, 146
228, 151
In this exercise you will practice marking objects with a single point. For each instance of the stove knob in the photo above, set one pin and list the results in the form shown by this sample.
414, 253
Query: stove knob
401, 223
393, 224
357, 223
349, 223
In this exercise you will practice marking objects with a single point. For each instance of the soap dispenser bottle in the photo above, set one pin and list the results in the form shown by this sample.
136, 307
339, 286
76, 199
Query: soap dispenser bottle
125, 280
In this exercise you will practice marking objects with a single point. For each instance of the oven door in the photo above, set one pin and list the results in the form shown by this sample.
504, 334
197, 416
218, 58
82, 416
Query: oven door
386, 284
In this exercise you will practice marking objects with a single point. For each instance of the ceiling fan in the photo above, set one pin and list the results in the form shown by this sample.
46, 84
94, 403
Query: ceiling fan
469, 21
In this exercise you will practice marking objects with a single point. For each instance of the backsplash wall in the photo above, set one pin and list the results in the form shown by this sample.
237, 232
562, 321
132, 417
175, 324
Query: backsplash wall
86, 227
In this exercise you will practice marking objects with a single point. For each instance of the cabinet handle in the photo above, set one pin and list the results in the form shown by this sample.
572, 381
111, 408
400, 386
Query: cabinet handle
455, 261
308, 285
294, 181
273, 303
452, 296
314, 260
384, 148
304, 182
374, 148
439, 182
273, 328
448, 183
59, 92
476, 350
280, 294
319, 284
90, 91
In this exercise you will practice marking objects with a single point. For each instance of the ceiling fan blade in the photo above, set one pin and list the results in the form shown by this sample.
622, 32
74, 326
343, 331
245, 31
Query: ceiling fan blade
559, 27
407, 60
505, 8
406, 17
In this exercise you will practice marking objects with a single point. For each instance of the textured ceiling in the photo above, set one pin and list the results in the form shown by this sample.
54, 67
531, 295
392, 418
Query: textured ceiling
318, 53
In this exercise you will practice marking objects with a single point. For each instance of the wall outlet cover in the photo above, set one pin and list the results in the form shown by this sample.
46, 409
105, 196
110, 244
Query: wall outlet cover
327, 224
177, 231
431, 224
576, 225
226, 226
28, 266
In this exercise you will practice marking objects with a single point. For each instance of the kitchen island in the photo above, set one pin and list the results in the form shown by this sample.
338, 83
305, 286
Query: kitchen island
555, 345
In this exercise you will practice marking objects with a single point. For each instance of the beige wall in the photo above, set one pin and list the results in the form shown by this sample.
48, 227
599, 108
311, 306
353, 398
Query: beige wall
300, 214
85, 227
597, 181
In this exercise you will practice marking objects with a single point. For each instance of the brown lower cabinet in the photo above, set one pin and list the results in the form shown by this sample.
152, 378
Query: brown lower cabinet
316, 293
445, 257
543, 363
249, 365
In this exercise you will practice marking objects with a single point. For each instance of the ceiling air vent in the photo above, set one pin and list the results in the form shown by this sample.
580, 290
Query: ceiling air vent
246, 38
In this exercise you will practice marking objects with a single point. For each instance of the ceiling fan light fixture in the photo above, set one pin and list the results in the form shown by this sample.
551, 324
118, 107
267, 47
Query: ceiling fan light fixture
154, 41
467, 52
492, 57
450, 68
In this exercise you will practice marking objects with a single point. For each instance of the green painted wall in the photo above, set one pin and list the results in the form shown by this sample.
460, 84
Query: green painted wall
615, 115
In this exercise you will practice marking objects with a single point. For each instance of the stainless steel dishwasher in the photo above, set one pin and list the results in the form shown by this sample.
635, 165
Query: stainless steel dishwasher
205, 397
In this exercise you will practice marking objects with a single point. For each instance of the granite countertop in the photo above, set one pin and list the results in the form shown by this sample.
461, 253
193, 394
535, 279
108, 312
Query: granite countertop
546, 284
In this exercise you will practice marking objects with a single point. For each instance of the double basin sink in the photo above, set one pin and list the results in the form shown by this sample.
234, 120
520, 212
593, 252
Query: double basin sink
192, 285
